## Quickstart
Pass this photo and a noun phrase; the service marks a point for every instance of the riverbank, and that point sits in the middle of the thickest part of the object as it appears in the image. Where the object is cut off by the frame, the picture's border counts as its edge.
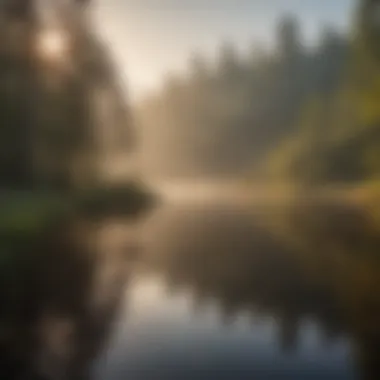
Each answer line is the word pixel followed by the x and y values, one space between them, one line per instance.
pixel 25 213
pixel 360 196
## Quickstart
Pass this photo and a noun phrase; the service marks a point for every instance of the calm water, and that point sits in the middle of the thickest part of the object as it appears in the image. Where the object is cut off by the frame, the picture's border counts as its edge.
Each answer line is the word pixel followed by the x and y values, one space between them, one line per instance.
pixel 201 291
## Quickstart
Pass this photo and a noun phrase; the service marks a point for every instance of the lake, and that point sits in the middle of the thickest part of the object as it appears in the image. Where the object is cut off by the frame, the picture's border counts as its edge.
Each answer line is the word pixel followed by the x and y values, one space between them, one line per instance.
pixel 199 291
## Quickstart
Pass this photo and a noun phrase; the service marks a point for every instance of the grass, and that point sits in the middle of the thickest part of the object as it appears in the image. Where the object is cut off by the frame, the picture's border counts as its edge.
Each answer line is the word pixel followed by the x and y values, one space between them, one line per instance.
pixel 27 212
pixel 24 214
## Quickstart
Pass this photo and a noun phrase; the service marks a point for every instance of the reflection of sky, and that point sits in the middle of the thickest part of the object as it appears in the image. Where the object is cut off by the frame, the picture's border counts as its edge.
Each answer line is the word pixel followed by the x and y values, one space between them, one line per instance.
pixel 150 37
pixel 161 336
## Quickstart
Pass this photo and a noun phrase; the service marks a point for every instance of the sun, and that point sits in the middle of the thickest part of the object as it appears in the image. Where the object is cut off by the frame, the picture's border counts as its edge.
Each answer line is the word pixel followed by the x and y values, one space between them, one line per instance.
pixel 52 45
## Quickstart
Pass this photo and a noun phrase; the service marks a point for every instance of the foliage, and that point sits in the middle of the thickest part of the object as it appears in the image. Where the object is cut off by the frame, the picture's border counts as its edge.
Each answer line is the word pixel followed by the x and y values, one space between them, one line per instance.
pixel 26 214
pixel 61 108
pixel 307 114
pixel 225 117
pixel 62 113
pixel 345 143
pixel 128 200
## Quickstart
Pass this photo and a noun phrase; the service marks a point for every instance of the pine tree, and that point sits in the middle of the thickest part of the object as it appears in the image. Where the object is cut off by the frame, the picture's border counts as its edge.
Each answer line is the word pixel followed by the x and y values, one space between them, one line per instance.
pixel 62 110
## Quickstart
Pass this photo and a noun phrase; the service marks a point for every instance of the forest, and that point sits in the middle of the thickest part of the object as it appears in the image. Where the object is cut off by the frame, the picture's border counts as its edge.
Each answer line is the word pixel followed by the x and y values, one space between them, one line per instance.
pixel 63 117
pixel 75 259
pixel 295 112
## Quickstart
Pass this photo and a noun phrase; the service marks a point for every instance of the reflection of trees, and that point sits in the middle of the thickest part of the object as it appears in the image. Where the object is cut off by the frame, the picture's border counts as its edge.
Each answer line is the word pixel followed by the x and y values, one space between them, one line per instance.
pixel 51 325
pixel 309 270
pixel 350 242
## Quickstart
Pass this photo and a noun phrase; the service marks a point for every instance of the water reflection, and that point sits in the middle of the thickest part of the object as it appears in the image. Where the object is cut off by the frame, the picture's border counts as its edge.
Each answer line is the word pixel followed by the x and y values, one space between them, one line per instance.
pixel 236 294
pixel 197 292
pixel 58 302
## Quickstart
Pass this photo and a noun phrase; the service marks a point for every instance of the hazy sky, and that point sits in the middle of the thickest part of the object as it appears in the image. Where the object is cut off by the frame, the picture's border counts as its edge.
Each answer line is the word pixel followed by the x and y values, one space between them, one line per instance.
pixel 151 37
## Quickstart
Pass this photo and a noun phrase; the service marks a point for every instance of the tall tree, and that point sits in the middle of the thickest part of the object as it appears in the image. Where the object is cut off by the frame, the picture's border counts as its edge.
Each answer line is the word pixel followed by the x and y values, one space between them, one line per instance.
pixel 62 111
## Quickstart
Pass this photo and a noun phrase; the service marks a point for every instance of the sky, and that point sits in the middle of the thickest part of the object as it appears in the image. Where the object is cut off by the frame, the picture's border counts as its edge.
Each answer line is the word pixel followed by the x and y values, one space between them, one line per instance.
pixel 151 38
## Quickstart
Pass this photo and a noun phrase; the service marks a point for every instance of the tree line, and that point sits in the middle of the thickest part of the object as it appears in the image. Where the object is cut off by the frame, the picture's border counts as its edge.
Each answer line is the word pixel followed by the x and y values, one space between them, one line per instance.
pixel 295 112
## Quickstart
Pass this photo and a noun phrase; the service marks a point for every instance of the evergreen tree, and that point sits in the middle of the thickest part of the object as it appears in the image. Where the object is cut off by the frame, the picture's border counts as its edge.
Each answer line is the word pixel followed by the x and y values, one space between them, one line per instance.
pixel 313 114
pixel 62 111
